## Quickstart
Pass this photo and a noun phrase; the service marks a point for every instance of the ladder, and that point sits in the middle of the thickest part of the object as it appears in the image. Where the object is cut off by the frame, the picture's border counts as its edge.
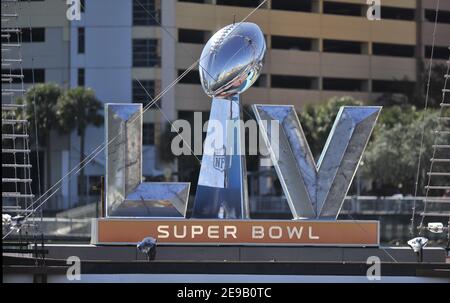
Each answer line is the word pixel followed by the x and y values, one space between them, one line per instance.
pixel 17 195
pixel 437 190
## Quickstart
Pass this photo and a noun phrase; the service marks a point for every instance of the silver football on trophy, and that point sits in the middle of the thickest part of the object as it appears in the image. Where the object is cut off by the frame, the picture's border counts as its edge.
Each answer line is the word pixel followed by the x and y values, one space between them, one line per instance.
pixel 231 60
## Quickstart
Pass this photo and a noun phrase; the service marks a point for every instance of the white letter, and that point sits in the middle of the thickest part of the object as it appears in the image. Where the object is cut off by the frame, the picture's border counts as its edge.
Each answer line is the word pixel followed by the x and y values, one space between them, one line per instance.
pixel 175 229
pixel 181 144
pixel 373 272
pixel 198 133
pixel 163 233
pixel 271 233
pixel 74 11
pixel 272 148
pixel 213 232
pixel 311 234
pixel 257 232
pixel 214 139
pixel 295 230
pixel 374 10
pixel 74 271
pixel 230 230
pixel 196 230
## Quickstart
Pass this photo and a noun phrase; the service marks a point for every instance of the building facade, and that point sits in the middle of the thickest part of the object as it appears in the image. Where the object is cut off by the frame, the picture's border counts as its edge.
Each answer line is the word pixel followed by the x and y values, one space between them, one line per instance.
pixel 124 49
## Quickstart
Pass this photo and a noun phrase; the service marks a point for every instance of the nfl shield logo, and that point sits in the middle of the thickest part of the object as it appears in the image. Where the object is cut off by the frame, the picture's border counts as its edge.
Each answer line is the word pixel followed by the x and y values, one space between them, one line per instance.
pixel 219 159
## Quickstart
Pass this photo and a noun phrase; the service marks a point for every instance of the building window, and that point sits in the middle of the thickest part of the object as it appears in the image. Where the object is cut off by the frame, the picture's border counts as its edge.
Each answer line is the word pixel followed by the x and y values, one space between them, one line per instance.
pixel 140 92
pixel 294 82
pixel 26 35
pixel 82 6
pixel 81 76
pixel 193 1
pixel 193 36
pixel 243 3
pixel 443 16
pixel 292 43
pixel 81 40
pixel 338 46
pixel 395 50
pixel 392 86
pixel 340 84
pixel 92 185
pixel 192 77
pixel 36 75
pixel 440 52
pixel 261 81
pixel 397 13
pixel 290 5
pixel 36 34
pixel 346 9
pixel 145 53
pixel 145 13
pixel 95 184
pixel 148 134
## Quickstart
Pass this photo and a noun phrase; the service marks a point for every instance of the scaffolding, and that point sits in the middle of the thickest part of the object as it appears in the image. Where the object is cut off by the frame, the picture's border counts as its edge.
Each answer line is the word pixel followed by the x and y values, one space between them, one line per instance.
pixel 437 190
pixel 17 196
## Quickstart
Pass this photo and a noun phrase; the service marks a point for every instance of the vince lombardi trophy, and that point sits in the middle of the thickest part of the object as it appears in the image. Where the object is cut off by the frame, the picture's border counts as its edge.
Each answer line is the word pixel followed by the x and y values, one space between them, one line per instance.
pixel 230 63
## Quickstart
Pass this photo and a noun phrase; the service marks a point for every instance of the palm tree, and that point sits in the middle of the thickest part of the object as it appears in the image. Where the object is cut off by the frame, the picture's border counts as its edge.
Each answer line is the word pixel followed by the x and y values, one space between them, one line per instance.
pixel 76 109
pixel 40 101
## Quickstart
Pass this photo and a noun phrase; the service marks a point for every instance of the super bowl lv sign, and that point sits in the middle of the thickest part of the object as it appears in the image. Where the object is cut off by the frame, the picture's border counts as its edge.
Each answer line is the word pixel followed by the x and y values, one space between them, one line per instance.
pixel 230 63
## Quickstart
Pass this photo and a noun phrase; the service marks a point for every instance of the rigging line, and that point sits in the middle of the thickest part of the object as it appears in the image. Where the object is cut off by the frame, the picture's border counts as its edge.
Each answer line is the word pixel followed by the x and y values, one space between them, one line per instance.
pixel 96 151
pixel 101 147
pixel 38 169
pixel 45 200
pixel 174 83
pixel 433 157
pixel 186 51
pixel 19 36
pixel 77 171
pixel 160 95
pixel 87 160
pixel 364 230
pixel 13 128
pixel 171 36
pixel 416 185
pixel 167 119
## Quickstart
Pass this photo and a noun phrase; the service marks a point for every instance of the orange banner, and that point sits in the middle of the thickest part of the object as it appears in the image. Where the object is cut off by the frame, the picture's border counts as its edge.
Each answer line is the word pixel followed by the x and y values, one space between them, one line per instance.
pixel 251 232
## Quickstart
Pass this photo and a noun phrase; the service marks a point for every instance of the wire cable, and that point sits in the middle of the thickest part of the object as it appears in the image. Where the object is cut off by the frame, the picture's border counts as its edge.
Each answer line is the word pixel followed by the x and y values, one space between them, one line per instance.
pixel 416 184
pixel 102 146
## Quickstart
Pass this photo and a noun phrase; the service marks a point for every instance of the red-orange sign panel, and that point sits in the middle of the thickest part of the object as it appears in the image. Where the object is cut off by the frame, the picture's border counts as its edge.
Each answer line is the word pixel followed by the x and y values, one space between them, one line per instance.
pixel 249 232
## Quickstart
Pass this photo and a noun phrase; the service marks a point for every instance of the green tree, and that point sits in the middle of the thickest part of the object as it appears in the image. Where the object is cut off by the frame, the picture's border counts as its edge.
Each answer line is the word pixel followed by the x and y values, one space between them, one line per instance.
pixel 391 157
pixel 40 111
pixel 76 109
pixel 317 121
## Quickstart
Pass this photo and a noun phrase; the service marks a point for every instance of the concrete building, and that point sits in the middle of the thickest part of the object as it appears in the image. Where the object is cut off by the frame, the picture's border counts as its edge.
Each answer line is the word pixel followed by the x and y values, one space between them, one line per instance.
pixel 317 49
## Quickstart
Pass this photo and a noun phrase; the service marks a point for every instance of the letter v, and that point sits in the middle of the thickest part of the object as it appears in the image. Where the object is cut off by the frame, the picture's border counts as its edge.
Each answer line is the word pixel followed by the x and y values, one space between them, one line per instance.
pixel 316 191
